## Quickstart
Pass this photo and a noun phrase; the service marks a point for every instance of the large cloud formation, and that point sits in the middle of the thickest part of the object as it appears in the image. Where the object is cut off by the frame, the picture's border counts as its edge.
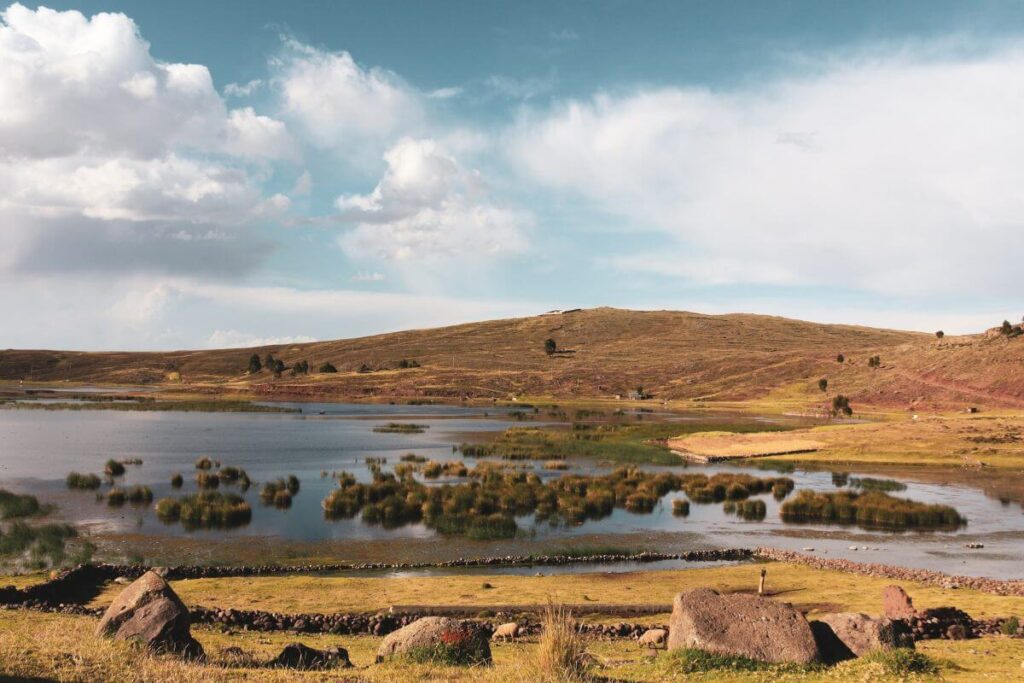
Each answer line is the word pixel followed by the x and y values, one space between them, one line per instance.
pixel 111 160
pixel 898 174
pixel 427 205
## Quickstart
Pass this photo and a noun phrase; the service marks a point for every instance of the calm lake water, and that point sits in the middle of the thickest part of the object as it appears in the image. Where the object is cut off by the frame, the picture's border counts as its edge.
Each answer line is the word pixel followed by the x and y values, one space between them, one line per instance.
pixel 38 448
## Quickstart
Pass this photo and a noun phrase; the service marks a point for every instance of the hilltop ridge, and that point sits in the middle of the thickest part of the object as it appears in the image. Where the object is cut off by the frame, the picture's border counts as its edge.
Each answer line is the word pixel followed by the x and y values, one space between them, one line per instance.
pixel 601 353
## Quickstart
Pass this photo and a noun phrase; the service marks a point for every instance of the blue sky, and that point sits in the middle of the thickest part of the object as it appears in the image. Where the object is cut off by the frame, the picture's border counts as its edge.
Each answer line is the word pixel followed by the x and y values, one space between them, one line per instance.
pixel 197 174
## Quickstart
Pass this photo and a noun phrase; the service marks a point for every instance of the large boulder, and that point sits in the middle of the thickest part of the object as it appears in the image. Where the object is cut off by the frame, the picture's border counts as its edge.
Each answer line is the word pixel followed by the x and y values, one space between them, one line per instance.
pixel 299 656
pixel 744 625
pixel 149 612
pixel 440 638
pixel 846 635
pixel 896 604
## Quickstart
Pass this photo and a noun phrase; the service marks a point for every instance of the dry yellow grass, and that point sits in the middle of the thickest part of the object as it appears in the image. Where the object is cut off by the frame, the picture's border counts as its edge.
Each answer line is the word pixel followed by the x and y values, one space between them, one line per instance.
pixel 959 440
pixel 727 445
pixel 63 648
pixel 803 586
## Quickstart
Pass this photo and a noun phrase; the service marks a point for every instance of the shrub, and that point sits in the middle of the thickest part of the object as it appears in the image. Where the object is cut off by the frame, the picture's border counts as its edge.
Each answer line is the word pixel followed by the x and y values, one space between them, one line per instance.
pixel 204 463
pixel 561 654
pixel 84 482
pixel 1006 327
pixel 327 368
pixel 113 468
pixel 177 481
pixel 1010 626
pixel 15 505
pixel 550 346
pixel 902 662
pixel 840 358
pixel 823 384
pixel 364 368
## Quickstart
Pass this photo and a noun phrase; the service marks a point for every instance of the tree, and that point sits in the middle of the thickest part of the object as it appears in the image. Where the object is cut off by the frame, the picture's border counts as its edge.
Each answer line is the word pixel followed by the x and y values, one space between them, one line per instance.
pixel 875 362
pixel 940 334
pixel 1007 328
pixel 268 362
pixel 841 404
pixel 300 368
pixel 823 384
pixel 278 367
pixel 254 364
pixel 327 367
pixel 840 358
pixel 364 368
pixel 550 346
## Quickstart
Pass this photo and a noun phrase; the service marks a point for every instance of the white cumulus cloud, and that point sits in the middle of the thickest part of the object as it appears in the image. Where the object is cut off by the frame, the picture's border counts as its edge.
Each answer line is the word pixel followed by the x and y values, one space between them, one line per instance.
pixel 897 174
pixel 428 205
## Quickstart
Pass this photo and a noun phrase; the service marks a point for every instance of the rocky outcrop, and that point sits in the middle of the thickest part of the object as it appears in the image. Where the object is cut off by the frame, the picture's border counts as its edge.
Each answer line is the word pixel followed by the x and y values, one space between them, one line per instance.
pixel 149 612
pixel 855 635
pixel 896 604
pixel 457 641
pixel 743 625
pixel 300 656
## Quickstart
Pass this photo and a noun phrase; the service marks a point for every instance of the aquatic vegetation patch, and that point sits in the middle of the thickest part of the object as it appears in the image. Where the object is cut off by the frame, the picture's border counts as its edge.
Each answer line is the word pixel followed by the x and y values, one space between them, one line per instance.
pixel 207 480
pixel 486 506
pixel 871 484
pixel 41 544
pixel 14 505
pixel 400 428
pixel 279 493
pixel 113 468
pixel 205 510
pixel 871 509
pixel 82 482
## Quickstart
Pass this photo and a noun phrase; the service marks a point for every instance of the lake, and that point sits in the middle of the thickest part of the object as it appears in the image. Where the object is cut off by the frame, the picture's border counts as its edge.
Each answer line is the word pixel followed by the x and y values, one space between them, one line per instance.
pixel 39 448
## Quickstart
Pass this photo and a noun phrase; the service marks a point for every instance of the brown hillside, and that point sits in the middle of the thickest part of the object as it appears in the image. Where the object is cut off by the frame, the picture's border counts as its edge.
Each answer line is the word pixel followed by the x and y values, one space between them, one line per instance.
pixel 602 352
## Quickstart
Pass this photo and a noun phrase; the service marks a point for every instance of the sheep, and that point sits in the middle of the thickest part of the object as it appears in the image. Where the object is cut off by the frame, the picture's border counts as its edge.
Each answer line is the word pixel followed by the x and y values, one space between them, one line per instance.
pixel 654 638
pixel 506 631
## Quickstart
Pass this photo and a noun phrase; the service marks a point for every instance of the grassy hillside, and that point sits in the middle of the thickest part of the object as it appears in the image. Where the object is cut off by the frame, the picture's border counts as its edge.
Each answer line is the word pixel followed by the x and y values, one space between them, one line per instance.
pixel 602 352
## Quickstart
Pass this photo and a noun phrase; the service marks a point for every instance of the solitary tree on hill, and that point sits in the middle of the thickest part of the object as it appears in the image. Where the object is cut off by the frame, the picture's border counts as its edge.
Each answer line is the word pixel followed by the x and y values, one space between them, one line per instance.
pixel 840 358
pixel 1007 328
pixel 254 364
pixel 841 404
pixel 550 346
pixel 823 384
pixel 940 334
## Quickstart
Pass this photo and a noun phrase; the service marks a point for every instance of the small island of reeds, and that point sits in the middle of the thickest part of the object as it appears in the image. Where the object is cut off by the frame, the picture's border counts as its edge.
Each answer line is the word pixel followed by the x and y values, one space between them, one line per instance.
pixel 870 510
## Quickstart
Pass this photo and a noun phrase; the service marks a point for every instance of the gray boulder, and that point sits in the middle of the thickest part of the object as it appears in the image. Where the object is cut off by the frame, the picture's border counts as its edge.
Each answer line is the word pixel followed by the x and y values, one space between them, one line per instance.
pixel 299 656
pixel 456 641
pixel 744 625
pixel 149 612
pixel 846 635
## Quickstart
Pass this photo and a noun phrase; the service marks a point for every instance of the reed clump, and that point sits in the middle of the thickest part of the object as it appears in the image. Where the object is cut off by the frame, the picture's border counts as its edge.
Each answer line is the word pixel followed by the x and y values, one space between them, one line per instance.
pixel 871 509
pixel 82 482
pixel 205 510
pixel 561 651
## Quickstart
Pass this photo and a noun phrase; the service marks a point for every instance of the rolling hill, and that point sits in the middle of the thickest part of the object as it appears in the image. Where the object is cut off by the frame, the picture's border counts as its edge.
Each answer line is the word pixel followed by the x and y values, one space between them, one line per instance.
pixel 602 352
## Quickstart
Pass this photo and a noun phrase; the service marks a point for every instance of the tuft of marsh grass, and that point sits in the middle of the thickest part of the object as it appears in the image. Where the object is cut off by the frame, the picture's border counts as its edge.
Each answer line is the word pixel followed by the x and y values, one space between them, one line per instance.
pixel 561 651
pixel 113 468
pixel 83 482
pixel 14 505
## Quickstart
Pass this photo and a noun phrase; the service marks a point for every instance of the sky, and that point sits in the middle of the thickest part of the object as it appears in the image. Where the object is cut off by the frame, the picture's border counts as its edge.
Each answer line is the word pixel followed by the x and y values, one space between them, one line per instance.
pixel 204 175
